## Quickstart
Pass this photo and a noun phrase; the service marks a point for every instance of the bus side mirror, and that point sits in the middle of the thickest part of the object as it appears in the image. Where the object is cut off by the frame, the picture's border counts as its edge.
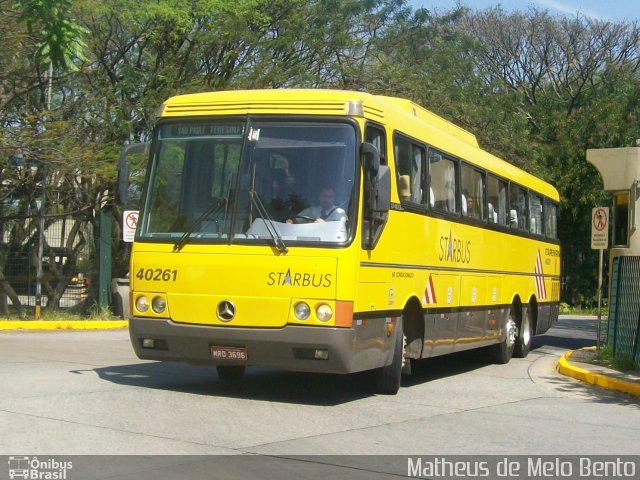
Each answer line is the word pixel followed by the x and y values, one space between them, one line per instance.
pixel 123 181
pixel 124 167
pixel 377 195
pixel 370 157
pixel 381 196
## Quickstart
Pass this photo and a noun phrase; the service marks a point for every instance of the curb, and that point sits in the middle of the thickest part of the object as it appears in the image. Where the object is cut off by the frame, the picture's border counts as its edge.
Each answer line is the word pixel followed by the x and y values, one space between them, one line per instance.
pixel 63 324
pixel 604 381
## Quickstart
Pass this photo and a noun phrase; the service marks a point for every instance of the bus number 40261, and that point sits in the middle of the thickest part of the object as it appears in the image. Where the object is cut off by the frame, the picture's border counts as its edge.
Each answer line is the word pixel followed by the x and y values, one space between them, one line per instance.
pixel 157 275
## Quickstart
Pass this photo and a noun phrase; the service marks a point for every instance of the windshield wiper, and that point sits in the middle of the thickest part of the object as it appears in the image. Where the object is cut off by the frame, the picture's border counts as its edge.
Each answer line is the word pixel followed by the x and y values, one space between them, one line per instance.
pixel 268 222
pixel 211 211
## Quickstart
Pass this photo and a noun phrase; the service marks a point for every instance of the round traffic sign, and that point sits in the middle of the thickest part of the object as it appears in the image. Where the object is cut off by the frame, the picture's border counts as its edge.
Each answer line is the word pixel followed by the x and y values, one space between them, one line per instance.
pixel 132 220
pixel 600 219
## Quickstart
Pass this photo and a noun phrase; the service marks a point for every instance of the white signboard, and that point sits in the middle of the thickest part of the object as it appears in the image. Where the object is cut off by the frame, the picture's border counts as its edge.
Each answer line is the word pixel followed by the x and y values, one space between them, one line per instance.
pixel 129 224
pixel 600 228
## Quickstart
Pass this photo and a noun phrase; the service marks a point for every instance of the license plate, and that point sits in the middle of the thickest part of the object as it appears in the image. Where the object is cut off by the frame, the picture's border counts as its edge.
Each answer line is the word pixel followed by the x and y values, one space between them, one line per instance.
pixel 229 354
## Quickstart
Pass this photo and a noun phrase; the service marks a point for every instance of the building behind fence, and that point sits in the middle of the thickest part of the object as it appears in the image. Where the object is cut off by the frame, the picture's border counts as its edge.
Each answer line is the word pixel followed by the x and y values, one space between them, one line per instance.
pixel 620 170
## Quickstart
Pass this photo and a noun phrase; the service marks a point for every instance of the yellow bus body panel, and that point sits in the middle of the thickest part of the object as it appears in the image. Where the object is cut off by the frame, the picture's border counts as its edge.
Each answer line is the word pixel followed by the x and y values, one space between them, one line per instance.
pixel 262 287
pixel 493 266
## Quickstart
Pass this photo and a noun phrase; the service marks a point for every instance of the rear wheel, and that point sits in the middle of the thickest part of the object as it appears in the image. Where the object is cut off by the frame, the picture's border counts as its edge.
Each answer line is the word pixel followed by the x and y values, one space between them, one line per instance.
pixel 387 379
pixel 230 373
pixel 503 351
pixel 523 342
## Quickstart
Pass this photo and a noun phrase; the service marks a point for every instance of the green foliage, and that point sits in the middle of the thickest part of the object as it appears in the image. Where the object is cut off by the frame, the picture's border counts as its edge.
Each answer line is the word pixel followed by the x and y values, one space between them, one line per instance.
pixel 565 308
pixel 604 356
pixel 97 312
pixel 536 90
pixel 59 37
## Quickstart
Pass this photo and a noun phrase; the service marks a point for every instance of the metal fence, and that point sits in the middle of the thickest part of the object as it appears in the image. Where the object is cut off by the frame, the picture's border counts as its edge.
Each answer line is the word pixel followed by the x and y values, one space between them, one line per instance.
pixel 68 263
pixel 624 315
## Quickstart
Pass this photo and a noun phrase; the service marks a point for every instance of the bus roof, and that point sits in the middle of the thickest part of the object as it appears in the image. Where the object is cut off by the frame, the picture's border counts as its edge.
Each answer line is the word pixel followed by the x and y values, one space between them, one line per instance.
pixel 413 119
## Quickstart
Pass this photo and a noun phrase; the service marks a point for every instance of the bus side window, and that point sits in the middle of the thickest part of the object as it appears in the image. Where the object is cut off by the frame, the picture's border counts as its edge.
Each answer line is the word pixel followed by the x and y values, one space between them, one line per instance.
pixel 375 136
pixel 535 214
pixel 518 208
pixel 472 182
pixel 551 219
pixel 443 181
pixel 496 200
pixel 410 165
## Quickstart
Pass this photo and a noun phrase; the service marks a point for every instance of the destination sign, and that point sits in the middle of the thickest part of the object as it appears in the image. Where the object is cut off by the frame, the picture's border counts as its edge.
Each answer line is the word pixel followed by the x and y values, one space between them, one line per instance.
pixel 202 130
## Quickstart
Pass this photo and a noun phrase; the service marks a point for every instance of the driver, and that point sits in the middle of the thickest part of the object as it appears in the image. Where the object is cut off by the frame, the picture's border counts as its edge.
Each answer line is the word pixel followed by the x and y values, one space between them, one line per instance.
pixel 326 211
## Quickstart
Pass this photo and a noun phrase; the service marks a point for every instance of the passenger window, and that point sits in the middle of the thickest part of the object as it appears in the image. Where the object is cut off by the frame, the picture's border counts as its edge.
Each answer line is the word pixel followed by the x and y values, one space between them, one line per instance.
pixel 517 208
pixel 496 200
pixel 551 219
pixel 472 200
pixel 410 165
pixel 444 177
pixel 535 214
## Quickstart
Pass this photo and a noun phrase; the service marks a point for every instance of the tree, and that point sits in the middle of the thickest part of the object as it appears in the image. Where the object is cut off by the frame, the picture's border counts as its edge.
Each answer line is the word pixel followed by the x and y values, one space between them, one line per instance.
pixel 43 36
pixel 536 90
pixel 575 82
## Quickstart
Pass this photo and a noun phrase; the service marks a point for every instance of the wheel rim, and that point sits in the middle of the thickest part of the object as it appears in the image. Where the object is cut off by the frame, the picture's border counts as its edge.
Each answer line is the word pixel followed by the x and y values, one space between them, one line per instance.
pixel 512 332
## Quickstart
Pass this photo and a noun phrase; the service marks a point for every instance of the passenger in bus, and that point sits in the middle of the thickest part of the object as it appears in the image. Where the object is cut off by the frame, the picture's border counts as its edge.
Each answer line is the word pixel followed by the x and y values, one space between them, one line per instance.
pixel 404 187
pixel 472 211
pixel 493 215
pixel 469 205
pixel 513 218
pixel 326 211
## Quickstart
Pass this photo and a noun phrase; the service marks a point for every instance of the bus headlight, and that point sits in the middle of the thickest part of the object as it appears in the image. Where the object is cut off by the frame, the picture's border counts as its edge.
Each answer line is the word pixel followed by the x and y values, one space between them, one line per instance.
pixel 301 311
pixel 159 305
pixel 324 312
pixel 142 303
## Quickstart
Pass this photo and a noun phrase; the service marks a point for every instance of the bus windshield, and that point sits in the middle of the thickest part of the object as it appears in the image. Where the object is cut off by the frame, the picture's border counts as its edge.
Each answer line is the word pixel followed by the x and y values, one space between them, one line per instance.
pixel 240 181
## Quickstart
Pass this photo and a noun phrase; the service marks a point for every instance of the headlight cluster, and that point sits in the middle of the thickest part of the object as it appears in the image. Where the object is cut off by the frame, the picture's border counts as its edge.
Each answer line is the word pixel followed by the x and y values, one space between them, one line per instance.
pixel 302 311
pixel 158 304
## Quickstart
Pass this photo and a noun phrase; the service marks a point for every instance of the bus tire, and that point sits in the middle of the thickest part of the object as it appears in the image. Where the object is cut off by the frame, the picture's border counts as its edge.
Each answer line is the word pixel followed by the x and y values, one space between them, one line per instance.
pixel 502 352
pixel 525 336
pixel 230 373
pixel 387 379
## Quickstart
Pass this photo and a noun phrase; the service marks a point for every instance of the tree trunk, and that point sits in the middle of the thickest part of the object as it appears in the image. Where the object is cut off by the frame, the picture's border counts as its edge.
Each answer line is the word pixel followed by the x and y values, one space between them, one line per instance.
pixel 7 290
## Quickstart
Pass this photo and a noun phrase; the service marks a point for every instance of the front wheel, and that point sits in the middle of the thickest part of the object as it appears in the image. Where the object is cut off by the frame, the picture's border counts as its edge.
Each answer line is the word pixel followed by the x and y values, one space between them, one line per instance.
pixel 503 351
pixel 523 342
pixel 387 379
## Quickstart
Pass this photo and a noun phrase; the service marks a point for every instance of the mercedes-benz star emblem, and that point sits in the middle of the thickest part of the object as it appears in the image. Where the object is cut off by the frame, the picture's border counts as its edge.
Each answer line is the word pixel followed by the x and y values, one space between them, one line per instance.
pixel 226 311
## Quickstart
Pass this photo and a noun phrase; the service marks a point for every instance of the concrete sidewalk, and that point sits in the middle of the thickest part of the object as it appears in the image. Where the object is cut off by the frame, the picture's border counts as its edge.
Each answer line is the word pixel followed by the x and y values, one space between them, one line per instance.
pixel 575 364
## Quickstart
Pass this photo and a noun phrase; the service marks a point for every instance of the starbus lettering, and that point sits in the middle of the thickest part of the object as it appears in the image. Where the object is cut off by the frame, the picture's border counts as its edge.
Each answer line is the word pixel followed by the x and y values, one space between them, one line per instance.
pixel 454 249
pixel 299 279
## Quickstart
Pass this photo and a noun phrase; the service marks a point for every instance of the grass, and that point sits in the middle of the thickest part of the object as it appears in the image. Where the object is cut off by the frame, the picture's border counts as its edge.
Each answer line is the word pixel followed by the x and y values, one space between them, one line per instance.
pixel 566 309
pixel 622 363
pixel 95 312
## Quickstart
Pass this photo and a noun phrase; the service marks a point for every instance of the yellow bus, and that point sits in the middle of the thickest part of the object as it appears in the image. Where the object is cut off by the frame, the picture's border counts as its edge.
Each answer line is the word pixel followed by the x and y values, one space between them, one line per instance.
pixel 334 231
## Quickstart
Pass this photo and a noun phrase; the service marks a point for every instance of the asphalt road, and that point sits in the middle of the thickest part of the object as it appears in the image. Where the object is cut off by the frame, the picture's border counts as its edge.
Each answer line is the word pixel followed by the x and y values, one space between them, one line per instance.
pixel 85 393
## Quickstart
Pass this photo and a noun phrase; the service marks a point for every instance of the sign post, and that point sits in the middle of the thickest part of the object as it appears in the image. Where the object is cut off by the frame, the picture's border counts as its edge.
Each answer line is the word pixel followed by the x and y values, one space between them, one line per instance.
pixel 600 242
pixel 129 224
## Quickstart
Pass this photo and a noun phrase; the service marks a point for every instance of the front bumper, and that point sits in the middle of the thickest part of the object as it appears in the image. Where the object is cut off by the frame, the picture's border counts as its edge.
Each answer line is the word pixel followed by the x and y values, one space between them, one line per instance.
pixel 290 347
